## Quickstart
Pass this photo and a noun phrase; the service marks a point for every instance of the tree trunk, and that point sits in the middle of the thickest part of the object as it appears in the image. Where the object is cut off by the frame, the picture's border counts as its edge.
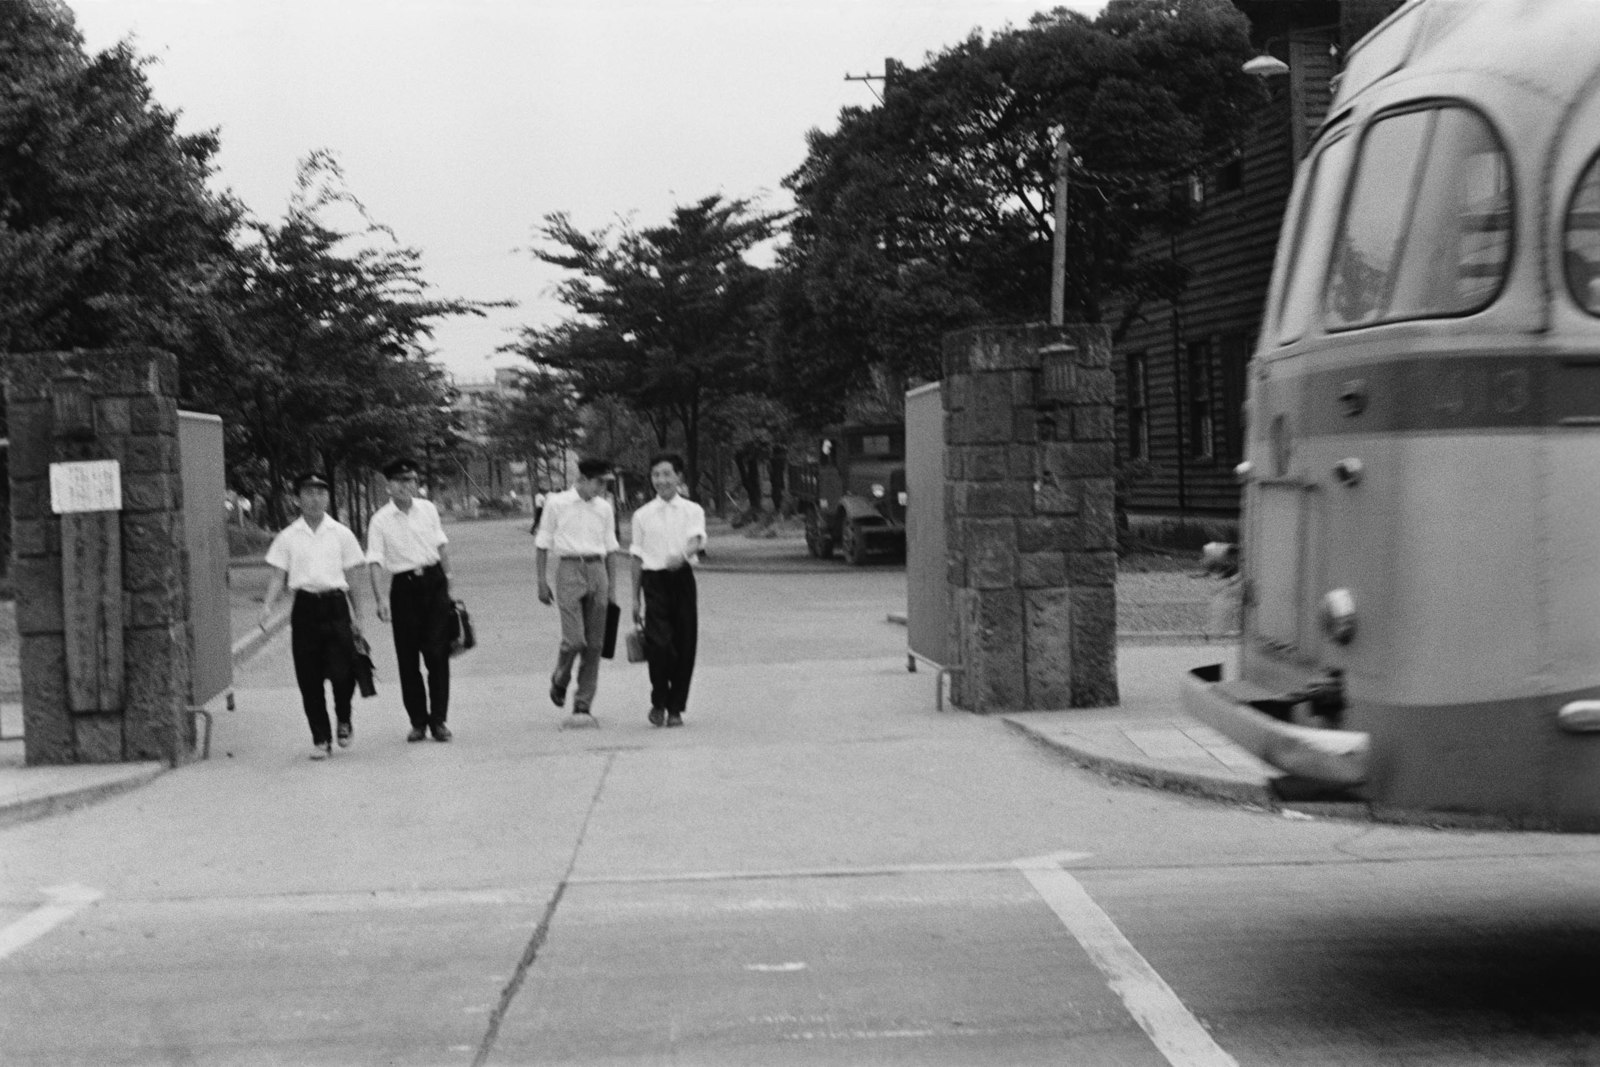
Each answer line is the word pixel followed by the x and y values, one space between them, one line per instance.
pixel 777 471
pixel 748 461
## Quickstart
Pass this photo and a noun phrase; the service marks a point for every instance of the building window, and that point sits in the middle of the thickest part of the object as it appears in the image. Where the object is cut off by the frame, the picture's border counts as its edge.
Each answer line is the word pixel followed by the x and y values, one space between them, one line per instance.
pixel 1234 355
pixel 1202 427
pixel 1138 406
pixel 1230 176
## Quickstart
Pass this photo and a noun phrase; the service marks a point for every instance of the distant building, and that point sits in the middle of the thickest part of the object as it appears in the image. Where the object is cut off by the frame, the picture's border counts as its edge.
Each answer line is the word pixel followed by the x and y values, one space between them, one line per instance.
pixel 481 476
pixel 1181 366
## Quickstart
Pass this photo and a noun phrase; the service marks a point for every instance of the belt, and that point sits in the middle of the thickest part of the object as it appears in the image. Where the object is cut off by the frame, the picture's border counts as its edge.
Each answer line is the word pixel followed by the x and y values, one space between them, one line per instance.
pixel 416 572
pixel 598 558
pixel 323 594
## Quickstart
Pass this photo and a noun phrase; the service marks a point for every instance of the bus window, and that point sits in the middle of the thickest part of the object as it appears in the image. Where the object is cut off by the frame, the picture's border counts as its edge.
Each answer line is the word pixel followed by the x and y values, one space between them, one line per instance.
pixel 1312 239
pixel 1427 232
pixel 1583 241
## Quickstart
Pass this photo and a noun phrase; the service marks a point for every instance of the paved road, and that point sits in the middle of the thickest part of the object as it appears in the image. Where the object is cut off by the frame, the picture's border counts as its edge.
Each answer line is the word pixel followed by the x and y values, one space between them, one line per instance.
pixel 818 869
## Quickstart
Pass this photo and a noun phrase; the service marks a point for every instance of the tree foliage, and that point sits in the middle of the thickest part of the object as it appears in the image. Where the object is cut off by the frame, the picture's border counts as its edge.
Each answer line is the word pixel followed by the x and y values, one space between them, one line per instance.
pixel 667 318
pixel 109 235
pixel 326 367
pixel 936 210
pixel 312 352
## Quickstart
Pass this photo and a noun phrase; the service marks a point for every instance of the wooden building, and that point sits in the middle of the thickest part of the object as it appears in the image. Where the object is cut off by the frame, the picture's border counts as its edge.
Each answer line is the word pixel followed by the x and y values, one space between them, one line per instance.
pixel 1181 366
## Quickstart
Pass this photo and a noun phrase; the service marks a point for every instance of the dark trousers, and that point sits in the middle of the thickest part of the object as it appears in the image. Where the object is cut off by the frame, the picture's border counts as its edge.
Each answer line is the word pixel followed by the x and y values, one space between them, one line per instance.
pixel 324 651
pixel 671 631
pixel 420 612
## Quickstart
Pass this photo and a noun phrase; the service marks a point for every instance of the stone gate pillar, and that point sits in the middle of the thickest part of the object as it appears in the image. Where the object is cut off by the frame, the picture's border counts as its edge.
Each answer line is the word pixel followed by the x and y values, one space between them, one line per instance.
pixel 99 575
pixel 1029 506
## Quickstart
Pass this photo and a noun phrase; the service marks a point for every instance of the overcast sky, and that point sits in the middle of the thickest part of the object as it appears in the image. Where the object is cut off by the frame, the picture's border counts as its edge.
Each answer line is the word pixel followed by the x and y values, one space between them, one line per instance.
pixel 461 123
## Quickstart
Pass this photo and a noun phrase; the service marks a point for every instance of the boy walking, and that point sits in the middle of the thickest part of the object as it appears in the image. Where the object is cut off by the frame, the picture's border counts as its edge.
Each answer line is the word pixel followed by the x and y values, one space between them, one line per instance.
pixel 580 528
pixel 668 532
pixel 313 557
pixel 405 540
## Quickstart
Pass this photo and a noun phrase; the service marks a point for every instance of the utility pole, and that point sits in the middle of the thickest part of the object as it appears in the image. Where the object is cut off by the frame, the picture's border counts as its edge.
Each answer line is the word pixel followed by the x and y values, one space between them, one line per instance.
pixel 1058 261
pixel 891 74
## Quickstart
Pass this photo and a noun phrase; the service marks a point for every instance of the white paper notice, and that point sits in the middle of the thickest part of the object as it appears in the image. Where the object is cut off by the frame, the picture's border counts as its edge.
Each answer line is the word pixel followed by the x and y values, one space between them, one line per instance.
pixel 93 485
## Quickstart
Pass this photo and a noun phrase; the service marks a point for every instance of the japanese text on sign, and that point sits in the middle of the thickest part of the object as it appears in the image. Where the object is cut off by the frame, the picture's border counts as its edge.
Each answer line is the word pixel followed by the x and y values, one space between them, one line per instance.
pixel 93 485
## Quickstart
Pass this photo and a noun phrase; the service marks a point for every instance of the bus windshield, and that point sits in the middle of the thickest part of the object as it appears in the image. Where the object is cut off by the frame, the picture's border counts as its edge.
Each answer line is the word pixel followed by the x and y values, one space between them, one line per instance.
pixel 1583 241
pixel 1427 229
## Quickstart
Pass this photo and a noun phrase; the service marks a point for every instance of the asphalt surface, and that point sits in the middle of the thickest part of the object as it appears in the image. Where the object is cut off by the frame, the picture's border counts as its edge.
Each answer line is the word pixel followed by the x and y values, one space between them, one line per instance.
pixel 819 868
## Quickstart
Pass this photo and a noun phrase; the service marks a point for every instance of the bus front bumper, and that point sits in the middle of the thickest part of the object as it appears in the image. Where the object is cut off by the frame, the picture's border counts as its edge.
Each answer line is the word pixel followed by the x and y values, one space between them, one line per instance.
pixel 1331 757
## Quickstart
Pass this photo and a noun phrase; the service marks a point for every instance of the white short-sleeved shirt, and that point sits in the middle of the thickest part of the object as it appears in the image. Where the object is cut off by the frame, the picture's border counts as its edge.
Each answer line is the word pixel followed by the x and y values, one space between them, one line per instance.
pixel 573 526
pixel 662 529
pixel 405 540
pixel 316 559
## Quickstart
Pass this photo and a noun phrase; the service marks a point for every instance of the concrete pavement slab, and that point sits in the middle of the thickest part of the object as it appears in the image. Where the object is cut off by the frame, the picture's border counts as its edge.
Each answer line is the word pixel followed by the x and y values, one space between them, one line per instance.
pixel 1146 739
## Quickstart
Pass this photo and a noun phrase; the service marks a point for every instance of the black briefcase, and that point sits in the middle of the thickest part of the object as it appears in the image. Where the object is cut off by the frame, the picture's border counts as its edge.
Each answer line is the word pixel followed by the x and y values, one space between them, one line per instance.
pixel 608 647
pixel 463 635
pixel 364 669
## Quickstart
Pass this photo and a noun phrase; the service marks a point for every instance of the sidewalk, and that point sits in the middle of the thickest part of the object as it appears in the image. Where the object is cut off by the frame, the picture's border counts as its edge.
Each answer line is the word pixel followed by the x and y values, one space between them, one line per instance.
pixel 36 792
pixel 1147 739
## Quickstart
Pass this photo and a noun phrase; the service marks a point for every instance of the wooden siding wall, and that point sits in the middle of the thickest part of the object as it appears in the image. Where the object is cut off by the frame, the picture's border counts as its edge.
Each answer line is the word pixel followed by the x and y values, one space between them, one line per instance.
pixel 1229 252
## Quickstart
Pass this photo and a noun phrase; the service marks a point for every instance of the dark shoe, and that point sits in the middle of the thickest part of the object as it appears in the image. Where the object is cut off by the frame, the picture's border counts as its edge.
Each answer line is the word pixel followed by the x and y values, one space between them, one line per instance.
pixel 345 730
pixel 657 716
pixel 417 734
pixel 558 694
pixel 441 732
pixel 674 719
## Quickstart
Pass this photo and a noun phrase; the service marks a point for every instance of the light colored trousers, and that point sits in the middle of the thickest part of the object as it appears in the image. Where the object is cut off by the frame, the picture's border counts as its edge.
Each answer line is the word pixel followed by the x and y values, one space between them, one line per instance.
pixel 583 589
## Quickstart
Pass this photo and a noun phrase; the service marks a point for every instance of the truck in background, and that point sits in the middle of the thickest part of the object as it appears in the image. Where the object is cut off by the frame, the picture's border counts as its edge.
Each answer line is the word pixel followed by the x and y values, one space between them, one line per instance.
pixel 851 490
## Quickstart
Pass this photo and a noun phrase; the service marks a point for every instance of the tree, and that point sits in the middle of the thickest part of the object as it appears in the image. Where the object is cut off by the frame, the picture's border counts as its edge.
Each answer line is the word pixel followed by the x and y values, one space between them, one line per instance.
pixel 108 233
pixel 935 210
pixel 667 318
pixel 536 422
pixel 329 368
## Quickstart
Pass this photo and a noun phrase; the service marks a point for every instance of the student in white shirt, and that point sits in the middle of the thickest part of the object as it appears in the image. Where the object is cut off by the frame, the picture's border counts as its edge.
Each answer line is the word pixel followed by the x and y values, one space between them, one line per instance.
pixel 668 532
pixel 313 557
pixel 406 542
pixel 580 528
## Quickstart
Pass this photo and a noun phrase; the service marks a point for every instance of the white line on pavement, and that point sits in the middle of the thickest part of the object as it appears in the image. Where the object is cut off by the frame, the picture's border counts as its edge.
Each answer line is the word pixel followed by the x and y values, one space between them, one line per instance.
pixel 1176 1033
pixel 65 902
pixel 799 872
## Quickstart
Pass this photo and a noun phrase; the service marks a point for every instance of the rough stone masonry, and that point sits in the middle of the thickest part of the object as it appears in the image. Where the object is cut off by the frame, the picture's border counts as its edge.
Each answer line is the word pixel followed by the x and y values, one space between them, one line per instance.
pixel 101 596
pixel 1030 513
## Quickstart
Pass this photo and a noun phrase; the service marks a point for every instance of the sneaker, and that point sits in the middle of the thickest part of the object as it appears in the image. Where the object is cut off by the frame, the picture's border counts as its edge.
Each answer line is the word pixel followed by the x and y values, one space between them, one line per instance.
pixel 674 719
pixel 657 716
pixel 345 730
pixel 322 751
pixel 417 734
pixel 441 732
pixel 580 719
pixel 558 694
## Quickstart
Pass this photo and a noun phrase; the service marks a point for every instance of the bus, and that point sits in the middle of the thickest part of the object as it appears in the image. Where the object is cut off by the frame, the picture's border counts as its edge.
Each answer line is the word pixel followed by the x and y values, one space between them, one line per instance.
pixel 1420 535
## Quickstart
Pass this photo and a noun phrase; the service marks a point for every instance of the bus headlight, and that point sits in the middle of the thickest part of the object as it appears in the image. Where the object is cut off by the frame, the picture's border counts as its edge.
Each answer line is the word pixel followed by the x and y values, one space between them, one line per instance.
pixel 1339 615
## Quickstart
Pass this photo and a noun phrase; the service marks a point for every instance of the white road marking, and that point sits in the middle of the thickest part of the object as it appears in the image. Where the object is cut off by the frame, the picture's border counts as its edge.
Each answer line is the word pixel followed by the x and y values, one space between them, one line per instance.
pixel 1176 1033
pixel 777 968
pixel 65 902
pixel 785 874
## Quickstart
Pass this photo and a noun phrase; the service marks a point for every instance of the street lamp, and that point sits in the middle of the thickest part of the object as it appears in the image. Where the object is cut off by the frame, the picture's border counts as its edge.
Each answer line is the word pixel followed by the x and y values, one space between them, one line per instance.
pixel 1265 66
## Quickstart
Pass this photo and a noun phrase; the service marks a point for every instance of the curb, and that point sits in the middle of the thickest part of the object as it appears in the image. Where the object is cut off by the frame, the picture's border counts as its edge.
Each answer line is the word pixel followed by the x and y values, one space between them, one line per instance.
pixel 1256 794
pixel 56 803
pixel 251 643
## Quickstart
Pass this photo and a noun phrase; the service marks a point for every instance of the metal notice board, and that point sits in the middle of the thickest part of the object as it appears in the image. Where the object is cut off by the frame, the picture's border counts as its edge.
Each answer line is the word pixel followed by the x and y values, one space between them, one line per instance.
pixel 206 537
pixel 927 588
